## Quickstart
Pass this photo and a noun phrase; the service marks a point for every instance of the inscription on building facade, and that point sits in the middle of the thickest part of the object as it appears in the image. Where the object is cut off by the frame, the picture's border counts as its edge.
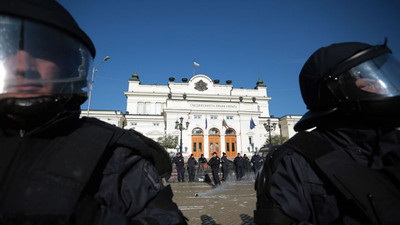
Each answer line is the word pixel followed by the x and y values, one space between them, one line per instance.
pixel 225 106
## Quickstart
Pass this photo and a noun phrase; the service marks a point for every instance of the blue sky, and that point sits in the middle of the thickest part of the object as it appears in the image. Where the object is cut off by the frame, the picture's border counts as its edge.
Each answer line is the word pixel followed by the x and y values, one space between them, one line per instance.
pixel 238 40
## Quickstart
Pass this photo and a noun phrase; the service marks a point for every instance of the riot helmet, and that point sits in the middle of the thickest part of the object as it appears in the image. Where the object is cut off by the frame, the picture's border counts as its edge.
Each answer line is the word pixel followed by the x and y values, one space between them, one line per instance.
pixel 350 79
pixel 44 58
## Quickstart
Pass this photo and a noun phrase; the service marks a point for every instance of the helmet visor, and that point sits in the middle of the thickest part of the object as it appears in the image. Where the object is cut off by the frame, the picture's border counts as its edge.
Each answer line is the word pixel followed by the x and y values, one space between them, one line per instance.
pixel 37 60
pixel 373 79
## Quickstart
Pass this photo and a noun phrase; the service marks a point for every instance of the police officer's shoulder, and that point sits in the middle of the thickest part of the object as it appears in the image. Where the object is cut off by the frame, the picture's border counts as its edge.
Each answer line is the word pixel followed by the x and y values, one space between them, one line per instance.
pixel 120 136
pixel 138 143
pixel 276 154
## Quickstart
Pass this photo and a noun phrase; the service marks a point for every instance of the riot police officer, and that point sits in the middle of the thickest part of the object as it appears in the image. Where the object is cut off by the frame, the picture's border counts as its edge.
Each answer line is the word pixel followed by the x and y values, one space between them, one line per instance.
pixel 224 167
pixel 55 167
pixel 180 166
pixel 214 163
pixel 191 167
pixel 256 161
pixel 344 171
pixel 239 166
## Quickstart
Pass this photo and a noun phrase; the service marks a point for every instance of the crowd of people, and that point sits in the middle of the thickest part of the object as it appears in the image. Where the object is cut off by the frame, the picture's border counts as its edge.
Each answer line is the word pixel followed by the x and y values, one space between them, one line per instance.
pixel 221 169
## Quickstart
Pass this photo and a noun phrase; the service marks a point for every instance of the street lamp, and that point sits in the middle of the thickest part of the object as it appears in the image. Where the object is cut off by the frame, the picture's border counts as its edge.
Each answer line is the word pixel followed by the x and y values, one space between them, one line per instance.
pixel 269 127
pixel 179 126
pixel 91 82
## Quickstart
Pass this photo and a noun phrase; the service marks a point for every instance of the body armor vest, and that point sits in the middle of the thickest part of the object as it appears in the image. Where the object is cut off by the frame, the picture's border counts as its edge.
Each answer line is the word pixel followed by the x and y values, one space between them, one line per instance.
pixel 42 177
pixel 372 193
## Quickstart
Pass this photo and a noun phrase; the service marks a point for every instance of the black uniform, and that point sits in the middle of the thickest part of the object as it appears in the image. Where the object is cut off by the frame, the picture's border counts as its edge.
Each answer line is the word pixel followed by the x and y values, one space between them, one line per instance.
pixel 225 167
pixel 54 167
pixel 191 165
pixel 239 165
pixel 304 194
pixel 247 166
pixel 73 165
pixel 214 163
pixel 202 162
pixel 180 167
pixel 346 170
pixel 256 161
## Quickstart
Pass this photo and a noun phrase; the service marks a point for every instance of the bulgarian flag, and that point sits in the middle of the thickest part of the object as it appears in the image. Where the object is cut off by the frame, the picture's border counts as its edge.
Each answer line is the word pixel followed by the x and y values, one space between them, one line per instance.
pixel 196 64
pixel 224 124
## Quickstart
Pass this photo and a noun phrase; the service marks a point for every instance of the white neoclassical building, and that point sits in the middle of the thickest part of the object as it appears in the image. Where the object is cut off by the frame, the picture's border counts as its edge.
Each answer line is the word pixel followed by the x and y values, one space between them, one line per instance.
pixel 215 117
pixel 207 105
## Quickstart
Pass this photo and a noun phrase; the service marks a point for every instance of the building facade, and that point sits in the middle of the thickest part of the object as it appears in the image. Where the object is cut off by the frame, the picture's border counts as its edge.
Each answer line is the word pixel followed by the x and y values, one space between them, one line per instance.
pixel 215 117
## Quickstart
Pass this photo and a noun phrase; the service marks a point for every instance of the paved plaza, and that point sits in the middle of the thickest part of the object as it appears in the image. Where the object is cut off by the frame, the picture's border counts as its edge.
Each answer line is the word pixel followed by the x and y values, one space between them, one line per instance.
pixel 232 203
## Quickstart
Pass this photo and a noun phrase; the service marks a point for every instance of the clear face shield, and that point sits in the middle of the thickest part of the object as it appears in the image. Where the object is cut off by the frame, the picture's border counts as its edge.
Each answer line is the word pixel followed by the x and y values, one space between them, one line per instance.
pixel 374 79
pixel 38 60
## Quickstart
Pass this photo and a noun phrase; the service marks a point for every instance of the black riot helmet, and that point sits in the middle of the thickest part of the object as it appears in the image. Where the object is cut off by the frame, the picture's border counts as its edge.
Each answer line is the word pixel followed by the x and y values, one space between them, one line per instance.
pixel 44 58
pixel 351 79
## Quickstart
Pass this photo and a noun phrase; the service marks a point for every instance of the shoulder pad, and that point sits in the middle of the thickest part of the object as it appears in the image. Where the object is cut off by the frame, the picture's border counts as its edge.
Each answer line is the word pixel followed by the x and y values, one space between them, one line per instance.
pixel 159 155
pixel 140 144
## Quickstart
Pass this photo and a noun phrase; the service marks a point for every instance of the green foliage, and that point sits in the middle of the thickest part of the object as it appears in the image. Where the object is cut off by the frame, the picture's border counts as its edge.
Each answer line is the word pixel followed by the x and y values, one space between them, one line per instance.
pixel 168 141
pixel 277 139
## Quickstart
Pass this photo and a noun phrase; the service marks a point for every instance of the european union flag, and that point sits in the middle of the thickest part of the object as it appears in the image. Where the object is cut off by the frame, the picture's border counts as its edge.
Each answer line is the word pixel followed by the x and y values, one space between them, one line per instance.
pixel 252 124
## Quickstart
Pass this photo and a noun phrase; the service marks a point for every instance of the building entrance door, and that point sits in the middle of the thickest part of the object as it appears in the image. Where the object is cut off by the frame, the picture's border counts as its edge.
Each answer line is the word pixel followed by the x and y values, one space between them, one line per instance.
pixel 214 140
pixel 197 142
pixel 230 140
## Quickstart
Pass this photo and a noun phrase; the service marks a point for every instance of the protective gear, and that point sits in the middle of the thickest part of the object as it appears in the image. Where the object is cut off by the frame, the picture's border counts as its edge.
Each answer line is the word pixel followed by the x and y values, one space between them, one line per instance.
pixel 65 172
pixel 44 58
pixel 334 186
pixel 350 79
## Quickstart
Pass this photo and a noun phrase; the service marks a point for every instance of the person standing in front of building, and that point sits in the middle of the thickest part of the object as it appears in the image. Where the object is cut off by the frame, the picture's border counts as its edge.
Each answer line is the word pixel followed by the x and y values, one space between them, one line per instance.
pixel 346 169
pixel 180 166
pixel 58 168
pixel 239 166
pixel 247 166
pixel 214 163
pixel 224 167
pixel 256 161
pixel 202 165
pixel 191 167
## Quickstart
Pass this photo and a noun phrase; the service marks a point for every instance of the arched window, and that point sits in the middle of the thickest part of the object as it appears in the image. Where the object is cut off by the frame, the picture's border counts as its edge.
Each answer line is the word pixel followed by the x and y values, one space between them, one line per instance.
pixel 197 131
pixel 230 131
pixel 214 131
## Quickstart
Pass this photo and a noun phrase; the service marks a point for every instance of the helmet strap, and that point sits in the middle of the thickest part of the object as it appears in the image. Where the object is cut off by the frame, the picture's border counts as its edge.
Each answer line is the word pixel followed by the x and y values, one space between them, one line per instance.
pixel 28 113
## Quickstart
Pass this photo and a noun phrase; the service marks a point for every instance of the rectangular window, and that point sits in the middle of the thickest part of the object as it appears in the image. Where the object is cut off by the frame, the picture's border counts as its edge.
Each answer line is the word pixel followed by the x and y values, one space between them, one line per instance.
pixel 200 147
pixel 148 107
pixel 156 124
pixel 233 147
pixel 194 146
pixel 140 108
pixel 133 123
pixel 227 147
pixel 158 108
pixel 217 147
pixel 213 117
pixel 197 116
pixel 229 117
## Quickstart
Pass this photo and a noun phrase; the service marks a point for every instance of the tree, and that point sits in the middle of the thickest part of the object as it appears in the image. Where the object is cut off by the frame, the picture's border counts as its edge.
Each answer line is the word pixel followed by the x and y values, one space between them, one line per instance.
pixel 277 139
pixel 168 141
